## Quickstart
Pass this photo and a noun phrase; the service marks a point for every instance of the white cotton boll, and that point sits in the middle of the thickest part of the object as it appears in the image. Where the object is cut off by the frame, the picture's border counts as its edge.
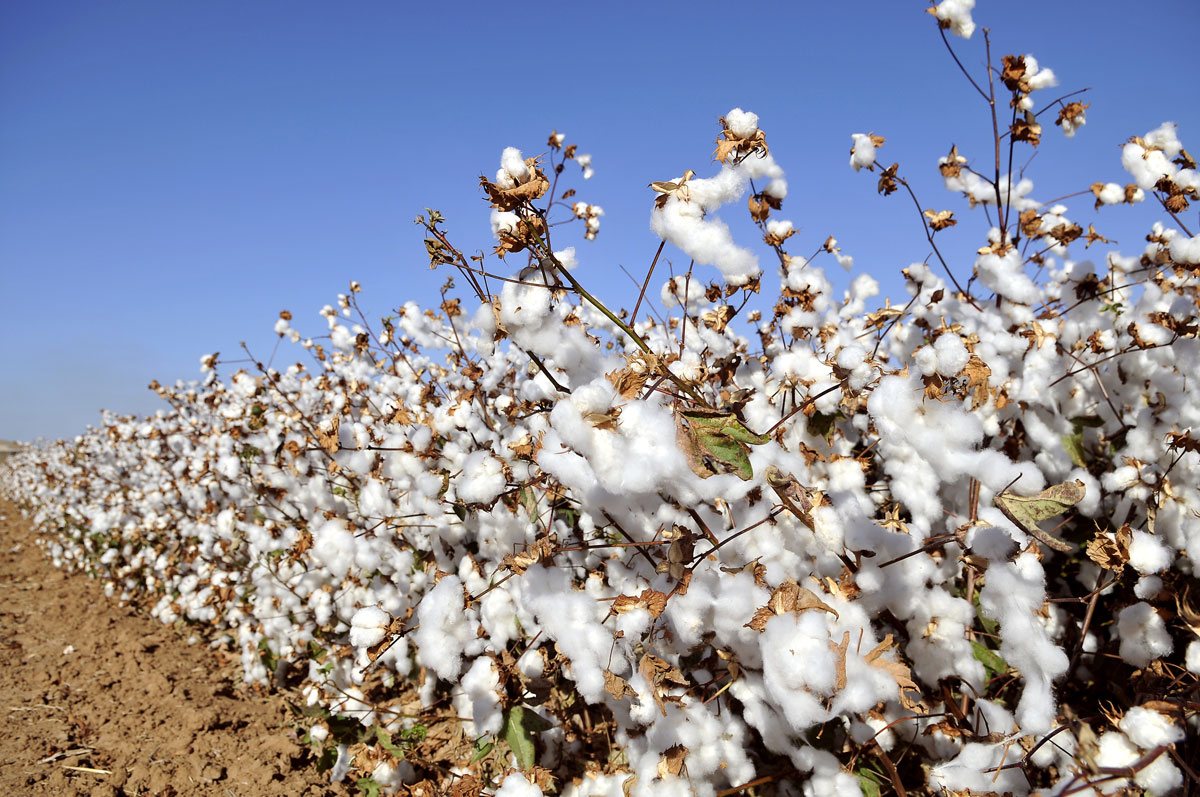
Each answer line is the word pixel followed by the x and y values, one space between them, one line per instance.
pixel 680 290
pixel 1006 276
pixel 1036 76
pixel 845 261
pixel 1160 776
pixel 742 123
pixel 480 684
pixel 776 188
pixel 341 766
pixel 925 358
pixel 969 770
pixel 1185 250
pixel 318 733
pixel 481 479
pixel 1090 504
pixel 1191 658
pixel 952 354
pixel 1148 587
pixel 1166 138
pixel 503 221
pixel 512 162
pixel 515 785
pixel 567 258
pixel 850 357
pixel 369 626
pixel 532 663
pixel 1111 193
pixel 1149 554
pixel 779 228
pixel 1143 634
pixel 958 14
pixel 1148 728
pixel 445 629
pixel 798 665
pixel 863 152
pixel 1113 749
pixel 333 547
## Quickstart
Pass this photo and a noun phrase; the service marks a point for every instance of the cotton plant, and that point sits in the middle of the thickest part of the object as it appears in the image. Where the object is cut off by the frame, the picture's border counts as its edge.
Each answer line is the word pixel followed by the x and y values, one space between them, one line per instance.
pixel 761 533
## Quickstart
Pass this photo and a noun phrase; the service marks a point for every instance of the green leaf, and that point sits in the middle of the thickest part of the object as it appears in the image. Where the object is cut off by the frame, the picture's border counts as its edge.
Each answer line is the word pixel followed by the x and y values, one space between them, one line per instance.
pixel 718 438
pixel 520 725
pixel 385 741
pixel 482 747
pixel 369 786
pixel 990 659
pixel 327 758
pixel 1027 511
pixel 869 781
pixel 1073 443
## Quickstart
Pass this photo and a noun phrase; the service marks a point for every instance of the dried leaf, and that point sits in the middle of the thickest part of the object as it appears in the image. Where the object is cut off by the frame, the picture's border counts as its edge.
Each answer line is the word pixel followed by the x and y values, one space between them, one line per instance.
pixel 940 219
pixel 887 181
pixel 1111 554
pixel 671 761
pixel 661 676
pixel 840 651
pixel 798 499
pixel 328 438
pixel 676 188
pixel 788 598
pixel 617 686
pixel 716 442
pixel 1027 511
pixel 900 673
pixel 953 164
pixel 542 550
pixel 512 198
pixel 651 600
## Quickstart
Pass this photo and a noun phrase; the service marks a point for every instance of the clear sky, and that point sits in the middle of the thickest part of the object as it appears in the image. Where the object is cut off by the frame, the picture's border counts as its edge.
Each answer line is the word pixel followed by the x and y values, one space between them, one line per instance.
pixel 172 175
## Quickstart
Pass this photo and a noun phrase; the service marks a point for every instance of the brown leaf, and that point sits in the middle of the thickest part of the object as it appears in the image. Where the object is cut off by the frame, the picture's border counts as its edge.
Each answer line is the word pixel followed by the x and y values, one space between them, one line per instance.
pixel 940 220
pixel 671 761
pixel 900 673
pixel 651 600
pixel 677 188
pixel 1070 112
pixel 1111 554
pixel 755 568
pixel 953 165
pixel 661 676
pixel 977 373
pixel 512 198
pixel 329 439
pixel 798 499
pixel 840 650
pixel 887 181
pixel 788 598
pixel 1027 129
pixel 1013 74
pixel 739 147
pixel 542 550
pixel 617 686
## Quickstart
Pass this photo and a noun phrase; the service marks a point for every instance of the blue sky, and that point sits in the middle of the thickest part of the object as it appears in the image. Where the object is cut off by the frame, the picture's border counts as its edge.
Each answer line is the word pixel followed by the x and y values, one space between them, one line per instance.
pixel 172 175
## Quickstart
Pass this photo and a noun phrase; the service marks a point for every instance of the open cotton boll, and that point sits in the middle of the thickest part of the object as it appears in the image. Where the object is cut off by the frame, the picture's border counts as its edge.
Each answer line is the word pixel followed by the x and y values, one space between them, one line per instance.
pixel 333 547
pixel 1160 776
pixel 1037 76
pixel 952 354
pixel 481 479
pixel 1143 634
pixel 516 785
pixel 1012 595
pixel 1185 250
pixel 798 666
pixel 1148 728
pixel 742 123
pixel 863 152
pixel 1149 554
pixel 512 162
pixel 1006 276
pixel 969 770
pixel 958 14
pixel 369 626
pixel 480 684
pixel 445 629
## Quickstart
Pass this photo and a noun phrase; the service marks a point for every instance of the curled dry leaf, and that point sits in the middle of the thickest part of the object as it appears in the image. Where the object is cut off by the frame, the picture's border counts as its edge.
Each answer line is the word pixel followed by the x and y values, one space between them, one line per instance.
pixel 1111 554
pixel 788 598
pixel 541 550
pixel 940 219
pixel 671 763
pixel 676 188
pixel 661 676
pixel 512 198
pixel 617 686
pixel 327 434
pixel 739 147
pixel 796 498
pixel 953 164
pixel 651 600
pixel 1027 511
pixel 900 673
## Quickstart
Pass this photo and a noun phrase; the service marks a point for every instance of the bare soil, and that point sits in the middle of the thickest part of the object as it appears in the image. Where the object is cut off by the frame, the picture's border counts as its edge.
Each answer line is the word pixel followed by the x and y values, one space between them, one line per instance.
pixel 101 700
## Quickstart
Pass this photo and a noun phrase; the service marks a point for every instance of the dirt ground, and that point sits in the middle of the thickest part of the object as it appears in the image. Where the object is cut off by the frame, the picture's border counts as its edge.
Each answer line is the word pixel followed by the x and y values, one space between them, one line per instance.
pixel 100 700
